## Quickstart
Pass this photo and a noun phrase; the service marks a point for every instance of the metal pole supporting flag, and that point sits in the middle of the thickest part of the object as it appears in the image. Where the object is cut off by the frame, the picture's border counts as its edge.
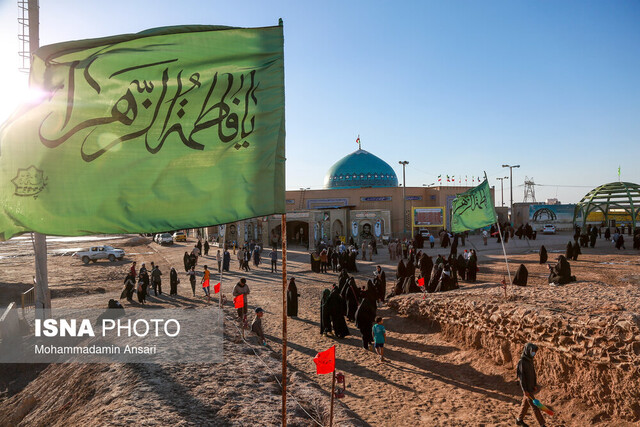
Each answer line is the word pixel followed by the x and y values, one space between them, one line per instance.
pixel 333 393
pixel 220 291
pixel 283 226
pixel 504 250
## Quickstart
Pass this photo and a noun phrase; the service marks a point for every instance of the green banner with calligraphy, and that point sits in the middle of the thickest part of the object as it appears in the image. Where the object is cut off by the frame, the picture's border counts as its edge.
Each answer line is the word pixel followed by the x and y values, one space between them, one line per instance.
pixel 473 209
pixel 171 128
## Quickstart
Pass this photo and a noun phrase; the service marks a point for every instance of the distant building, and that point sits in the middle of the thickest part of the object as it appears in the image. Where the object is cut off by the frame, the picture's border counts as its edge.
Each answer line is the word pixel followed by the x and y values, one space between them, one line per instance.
pixel 361 199
pixel 553 202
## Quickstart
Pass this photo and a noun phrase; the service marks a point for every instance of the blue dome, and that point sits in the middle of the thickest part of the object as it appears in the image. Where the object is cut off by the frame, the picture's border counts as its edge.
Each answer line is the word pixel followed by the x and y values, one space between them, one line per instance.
pixel 360 169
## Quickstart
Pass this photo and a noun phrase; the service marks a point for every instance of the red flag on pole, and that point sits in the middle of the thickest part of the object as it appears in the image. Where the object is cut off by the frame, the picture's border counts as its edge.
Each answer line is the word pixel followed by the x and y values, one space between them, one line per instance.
pixel 238 302
pixel 421 282
pixel 325 361
pixel 216 288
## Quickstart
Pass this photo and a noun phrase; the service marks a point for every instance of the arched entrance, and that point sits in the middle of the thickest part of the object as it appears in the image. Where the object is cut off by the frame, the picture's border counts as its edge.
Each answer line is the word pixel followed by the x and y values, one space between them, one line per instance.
pixel 275 236
pixel 337 230
pixel 298 233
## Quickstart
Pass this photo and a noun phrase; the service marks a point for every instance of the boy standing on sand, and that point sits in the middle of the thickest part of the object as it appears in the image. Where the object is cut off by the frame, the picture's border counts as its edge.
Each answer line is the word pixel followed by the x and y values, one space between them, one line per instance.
pixel 256 325
pixel 379 335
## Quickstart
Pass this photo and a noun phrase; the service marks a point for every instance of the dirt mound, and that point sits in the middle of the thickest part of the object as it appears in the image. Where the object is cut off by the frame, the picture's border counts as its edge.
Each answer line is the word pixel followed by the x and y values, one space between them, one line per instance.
pixel 135 241
pixel 600 350
pixel 239 391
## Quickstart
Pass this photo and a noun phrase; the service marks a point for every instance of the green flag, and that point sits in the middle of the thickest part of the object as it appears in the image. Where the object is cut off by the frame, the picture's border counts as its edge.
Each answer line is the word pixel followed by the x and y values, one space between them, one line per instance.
pixel 473 209
pixel 166 129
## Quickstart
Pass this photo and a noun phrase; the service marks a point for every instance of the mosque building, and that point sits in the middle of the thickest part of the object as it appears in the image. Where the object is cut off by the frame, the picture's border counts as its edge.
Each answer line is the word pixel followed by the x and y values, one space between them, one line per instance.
pixel 361 199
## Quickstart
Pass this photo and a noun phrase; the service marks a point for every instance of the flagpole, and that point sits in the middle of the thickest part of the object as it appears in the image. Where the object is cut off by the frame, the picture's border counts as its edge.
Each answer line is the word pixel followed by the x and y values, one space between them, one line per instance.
pixel 284 319
pixel 221 270
pixel 333 392
pixel 504 251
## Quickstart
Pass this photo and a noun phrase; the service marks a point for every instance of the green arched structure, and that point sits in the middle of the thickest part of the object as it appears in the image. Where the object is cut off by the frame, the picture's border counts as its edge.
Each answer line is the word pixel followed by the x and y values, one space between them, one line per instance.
pixel 616 195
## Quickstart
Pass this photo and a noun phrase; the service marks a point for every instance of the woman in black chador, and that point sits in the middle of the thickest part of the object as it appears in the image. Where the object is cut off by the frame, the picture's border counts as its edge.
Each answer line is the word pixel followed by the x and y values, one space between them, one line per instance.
pixel 462 267
pixel 561 272
pixel 435 277
pixel 173 282
pixel 335 305
pixel 410 269
pixel 568 253
pixel 342 279
pixel 543 255
pixel 446 281
pixel 576 251
pixel 426 265
pixel 380 283
pixel 520 279
pixel 292 298
pixel 365 316
pixel 129 285
pixel 187 262
pixel 351 296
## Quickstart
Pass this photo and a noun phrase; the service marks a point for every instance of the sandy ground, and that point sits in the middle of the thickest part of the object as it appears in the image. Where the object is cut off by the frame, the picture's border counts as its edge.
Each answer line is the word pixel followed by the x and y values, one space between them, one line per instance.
pixel 427 380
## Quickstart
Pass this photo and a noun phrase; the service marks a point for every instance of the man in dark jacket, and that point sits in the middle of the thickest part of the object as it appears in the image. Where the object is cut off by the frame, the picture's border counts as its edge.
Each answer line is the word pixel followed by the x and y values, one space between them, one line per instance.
pixel 156 280
pixel 528 382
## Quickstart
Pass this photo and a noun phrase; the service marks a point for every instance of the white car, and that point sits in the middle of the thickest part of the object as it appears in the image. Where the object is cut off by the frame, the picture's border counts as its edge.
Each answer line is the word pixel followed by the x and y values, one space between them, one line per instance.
pixel 549 229
pixel 95 253
pixel 165 239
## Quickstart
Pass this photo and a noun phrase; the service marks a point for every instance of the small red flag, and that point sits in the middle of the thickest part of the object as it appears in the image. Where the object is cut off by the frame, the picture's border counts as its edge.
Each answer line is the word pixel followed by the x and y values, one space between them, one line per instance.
pixel 205 284
pixel 325 361
pixel 238 302
pixel 421 282
pixel 216 288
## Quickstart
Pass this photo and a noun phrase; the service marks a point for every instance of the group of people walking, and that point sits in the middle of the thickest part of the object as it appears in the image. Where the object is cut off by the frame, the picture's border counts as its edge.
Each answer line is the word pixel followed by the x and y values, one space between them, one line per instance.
pixel 137 282
pixel 337 257
pixel 356 304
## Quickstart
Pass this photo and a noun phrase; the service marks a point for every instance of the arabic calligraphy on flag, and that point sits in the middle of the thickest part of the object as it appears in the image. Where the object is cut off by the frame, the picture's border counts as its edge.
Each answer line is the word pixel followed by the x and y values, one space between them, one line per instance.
pixel 171 128
pixel 473 209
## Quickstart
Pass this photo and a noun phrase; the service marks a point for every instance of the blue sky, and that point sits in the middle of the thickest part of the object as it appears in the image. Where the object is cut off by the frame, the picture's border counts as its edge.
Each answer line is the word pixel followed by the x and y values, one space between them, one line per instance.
pixel 454 87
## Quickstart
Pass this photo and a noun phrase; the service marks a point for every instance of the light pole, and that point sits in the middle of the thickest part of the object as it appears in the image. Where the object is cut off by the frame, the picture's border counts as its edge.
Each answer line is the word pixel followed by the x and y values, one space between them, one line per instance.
pixel 502 189
pixel 302 190
pixel 404 163
pixel 511 181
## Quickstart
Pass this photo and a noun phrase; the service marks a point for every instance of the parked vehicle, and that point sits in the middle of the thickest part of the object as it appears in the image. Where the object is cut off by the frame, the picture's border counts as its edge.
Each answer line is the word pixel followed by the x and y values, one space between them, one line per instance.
pixel 180 236
pixel 549 229
pixel 165 239
pixel 95 253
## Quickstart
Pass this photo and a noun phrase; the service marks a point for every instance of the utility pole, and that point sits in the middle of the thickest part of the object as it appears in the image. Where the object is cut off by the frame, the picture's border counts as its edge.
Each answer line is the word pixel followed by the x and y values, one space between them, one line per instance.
pixel 502 189
pixel 511 181
pixel 404 163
